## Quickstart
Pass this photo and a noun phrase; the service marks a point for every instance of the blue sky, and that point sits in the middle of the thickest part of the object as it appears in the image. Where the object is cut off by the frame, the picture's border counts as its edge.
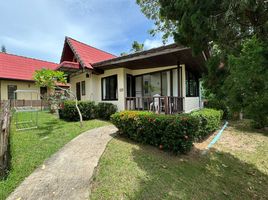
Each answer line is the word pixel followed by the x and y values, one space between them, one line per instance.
pixel 36 28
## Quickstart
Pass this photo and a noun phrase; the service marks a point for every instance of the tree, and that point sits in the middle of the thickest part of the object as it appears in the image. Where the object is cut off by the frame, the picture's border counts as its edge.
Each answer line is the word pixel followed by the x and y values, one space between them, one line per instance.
pixel 49 78
pixel 3 49
pixel 196 23
pixel 223 27
pixel 247 84
pixel 123 54
pixel 136 46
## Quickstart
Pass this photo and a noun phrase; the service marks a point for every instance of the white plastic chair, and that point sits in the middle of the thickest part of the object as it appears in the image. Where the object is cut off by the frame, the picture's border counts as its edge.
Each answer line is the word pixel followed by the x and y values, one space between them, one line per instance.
pixel 155 103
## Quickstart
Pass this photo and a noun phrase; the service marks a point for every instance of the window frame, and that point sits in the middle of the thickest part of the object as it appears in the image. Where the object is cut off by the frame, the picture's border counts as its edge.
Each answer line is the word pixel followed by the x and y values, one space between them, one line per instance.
pixel 191 84
pixel 14 94
pixel 116 89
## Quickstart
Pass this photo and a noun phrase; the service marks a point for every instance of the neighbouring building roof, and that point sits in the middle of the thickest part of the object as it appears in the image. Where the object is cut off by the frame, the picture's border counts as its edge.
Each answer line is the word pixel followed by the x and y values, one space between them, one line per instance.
pixel 82 53
pixel 20 67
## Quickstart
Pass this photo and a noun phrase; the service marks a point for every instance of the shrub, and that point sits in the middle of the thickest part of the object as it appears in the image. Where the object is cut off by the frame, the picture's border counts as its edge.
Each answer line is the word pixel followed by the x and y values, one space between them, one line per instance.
pixel 89 110
pixel 105 110
pixel 69 111
pixel 174 133
pixel 171 132
pixel 219 105
pixel 209 121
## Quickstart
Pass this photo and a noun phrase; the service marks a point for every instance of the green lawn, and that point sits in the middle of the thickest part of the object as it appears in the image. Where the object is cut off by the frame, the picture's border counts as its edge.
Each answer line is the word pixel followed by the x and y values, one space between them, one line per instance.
pixel 129 170
pixel 31 147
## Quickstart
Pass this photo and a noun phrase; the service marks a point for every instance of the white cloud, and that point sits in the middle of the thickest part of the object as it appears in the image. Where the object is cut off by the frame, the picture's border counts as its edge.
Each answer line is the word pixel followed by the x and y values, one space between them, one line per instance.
pixel 152 43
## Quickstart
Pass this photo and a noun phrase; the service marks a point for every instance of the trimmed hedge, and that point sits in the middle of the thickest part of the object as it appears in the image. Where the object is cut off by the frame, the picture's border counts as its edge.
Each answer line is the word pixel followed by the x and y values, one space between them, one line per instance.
pixel 209 121
pixel 219 105
pixel 175 133
pixel 89 110
pixel 171 132
pixel 105 110
pixel 69 112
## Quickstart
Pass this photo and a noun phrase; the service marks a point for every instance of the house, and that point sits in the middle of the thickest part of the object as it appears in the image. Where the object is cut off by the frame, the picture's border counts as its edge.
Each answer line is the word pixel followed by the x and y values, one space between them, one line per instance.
pixel 165 79
pixel 16 73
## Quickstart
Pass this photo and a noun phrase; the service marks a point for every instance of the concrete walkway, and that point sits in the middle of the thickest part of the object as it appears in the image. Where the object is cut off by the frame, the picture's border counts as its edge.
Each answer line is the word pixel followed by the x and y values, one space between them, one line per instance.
pixel 67 174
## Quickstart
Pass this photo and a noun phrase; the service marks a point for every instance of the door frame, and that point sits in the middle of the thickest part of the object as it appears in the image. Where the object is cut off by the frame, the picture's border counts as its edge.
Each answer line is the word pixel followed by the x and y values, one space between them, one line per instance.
pixel 78 91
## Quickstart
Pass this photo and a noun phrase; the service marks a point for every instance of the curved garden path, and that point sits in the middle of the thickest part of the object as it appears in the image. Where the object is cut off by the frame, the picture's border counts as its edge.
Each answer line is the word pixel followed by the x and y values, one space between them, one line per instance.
pixel 67 174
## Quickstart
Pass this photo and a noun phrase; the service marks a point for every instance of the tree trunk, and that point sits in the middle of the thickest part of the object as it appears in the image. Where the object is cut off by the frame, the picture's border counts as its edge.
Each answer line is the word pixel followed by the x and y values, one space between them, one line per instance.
pixel 241 115
pixel 79 112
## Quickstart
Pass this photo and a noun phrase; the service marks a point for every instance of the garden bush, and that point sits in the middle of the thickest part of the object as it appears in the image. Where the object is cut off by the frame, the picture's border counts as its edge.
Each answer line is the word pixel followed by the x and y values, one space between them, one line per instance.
pixel 89 110
pixel 105 110
pixel 209 121
pixel 69 112
pixel 219 105
pixel 175 133
pixel 171 132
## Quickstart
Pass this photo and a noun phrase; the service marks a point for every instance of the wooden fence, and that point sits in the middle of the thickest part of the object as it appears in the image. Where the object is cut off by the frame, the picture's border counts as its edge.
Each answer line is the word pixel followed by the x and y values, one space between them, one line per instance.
pixel 42 104
pixel 5 118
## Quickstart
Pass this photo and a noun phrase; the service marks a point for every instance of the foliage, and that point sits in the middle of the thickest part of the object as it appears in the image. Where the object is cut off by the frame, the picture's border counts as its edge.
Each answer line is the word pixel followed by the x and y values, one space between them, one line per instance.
pixel 170 132
pixel 69 112
pixel 209 121
pixel 174 133
pixel 197 23
pixel 89 110
pixel 123 54
pixel 49 78
pixel 105 110
pixel 247 84
pixel 3 49
pixel 136 47
pixel 219 105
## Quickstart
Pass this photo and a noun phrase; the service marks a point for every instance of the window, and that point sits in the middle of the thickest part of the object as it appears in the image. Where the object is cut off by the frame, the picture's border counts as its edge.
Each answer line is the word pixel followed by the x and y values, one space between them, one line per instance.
pixel 192 86
pixel 109 88
pixel 83 88
pixel 10 91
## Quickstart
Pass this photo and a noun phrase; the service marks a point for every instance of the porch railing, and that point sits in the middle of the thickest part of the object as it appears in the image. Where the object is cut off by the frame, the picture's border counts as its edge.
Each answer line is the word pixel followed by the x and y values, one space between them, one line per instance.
pixel 161 104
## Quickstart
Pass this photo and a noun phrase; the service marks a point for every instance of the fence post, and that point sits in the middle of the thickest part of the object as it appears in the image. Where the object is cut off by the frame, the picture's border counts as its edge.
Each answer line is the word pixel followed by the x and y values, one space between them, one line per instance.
pixel 4 138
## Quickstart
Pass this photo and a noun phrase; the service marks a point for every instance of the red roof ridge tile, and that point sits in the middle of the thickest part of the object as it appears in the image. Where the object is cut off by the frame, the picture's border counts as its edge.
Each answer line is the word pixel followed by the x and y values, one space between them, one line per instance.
pixel 91 46
pixel 37 59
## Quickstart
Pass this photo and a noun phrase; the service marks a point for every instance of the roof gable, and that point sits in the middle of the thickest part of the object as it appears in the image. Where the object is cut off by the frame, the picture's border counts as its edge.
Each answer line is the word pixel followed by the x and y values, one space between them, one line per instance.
pixel 86 55
pixel 21 68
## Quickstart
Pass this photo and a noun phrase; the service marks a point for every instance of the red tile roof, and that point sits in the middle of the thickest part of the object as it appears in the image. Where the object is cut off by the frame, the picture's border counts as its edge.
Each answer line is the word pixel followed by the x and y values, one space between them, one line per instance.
pixel 21 68
pixel 87 54
pixel 69 64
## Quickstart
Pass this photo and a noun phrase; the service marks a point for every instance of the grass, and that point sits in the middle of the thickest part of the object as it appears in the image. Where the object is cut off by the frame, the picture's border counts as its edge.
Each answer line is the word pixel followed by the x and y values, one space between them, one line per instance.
pixel 129 170
pixel 30 148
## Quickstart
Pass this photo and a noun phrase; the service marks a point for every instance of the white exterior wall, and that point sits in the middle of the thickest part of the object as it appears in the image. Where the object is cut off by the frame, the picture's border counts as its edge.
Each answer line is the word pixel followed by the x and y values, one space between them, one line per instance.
pixel 80 78
pixel 21 85
pixel 121 83
pixel 191 103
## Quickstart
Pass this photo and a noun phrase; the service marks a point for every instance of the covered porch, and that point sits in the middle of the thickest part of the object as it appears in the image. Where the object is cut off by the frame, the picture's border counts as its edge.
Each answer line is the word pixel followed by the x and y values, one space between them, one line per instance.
pixel 163 80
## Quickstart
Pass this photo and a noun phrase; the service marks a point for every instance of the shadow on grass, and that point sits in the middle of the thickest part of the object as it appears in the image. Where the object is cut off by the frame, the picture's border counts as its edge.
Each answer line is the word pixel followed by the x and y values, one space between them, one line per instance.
pixel 46 128
pixel 244 126
pixel 216 175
